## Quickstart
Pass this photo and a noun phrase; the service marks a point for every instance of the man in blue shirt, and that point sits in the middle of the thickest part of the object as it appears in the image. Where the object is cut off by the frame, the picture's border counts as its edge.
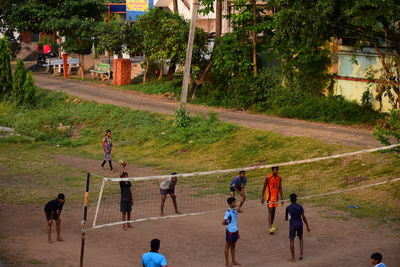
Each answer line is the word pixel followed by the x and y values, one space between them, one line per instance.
pixel 297 217
pixel 232 231
pixel 238 185
pixel 153 258
pixel 376 260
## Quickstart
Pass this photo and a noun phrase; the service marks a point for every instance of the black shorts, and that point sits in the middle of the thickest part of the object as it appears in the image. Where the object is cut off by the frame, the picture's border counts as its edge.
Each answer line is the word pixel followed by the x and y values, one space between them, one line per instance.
pixel 232 189
pixel 231 237
pixel 294 231
pixel 126 206
pixel 167 191
pixel 48 215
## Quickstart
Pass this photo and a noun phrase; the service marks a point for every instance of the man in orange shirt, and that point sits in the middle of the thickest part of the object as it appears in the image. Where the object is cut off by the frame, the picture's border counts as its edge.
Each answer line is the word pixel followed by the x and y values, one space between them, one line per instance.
pixel 271 190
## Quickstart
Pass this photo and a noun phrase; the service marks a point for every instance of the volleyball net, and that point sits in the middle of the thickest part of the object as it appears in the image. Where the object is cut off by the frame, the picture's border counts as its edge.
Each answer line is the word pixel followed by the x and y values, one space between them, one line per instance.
pixel 365 177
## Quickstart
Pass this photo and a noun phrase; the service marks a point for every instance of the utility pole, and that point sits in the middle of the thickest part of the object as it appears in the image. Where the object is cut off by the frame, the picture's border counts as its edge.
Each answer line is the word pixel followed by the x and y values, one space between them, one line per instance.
pixel 189 52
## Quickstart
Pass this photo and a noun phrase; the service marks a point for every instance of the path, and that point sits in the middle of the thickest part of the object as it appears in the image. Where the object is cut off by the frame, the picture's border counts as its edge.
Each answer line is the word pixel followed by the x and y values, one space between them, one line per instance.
pixel 138 101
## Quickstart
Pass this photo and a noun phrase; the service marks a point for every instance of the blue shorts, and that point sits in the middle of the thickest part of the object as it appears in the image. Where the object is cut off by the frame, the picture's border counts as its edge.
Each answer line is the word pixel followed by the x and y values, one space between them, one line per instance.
pixel 167 191
pixel 231 237
pixel 294 231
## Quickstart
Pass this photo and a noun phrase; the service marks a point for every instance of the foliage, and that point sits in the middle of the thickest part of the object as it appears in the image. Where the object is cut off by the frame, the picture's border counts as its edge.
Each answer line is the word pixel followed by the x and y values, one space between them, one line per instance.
pixel 5 68
pixel 301 30
pixel 7 28
pixel 182 118
pixel 111 36
pixel 19 79
pixel 30 90
pixel 165 38
pixel 389 129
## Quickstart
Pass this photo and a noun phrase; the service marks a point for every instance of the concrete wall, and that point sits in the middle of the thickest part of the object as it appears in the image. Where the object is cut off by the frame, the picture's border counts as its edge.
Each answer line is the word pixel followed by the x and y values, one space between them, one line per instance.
pixel 351 79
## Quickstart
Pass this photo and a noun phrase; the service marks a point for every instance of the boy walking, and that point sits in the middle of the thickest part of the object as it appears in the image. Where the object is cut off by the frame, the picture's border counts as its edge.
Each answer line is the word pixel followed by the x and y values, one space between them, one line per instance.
pixel 52 211
pixel 232 231
pixel 238 185
pixel 297 217
pixel 271 191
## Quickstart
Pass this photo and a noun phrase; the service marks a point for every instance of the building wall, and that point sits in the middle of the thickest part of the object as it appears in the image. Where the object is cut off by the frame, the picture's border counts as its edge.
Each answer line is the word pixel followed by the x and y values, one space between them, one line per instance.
pixel 351 74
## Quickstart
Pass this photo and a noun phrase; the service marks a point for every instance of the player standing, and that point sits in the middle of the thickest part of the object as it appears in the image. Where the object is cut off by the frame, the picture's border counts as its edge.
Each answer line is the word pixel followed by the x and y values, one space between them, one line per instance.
pixel 52 211
pixel 376 260
pixel 232 231
pixel 168 187
pixel 107 146
pixel 238 185
pixel 297 217
pixel 126 201
pixel 271 191
pixel 153 258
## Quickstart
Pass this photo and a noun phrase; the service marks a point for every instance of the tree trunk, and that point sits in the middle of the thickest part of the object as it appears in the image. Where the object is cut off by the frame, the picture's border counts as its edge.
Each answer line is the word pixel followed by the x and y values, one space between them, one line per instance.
pixel 161 71
pixel 82 66
pixel 146 71
pixel 175 4
pixel 254 38
pixel 218 18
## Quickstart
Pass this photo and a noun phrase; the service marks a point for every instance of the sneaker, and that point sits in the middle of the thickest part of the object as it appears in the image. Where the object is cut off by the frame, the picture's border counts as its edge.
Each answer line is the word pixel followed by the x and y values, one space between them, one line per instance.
pixel 271 230
pixel 273 227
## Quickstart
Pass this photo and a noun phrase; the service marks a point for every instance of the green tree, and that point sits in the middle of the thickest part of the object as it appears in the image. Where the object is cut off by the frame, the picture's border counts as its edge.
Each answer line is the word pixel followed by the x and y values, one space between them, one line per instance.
pixel 19 79
pixel 30 90
pixel 5 68
pixel 389 129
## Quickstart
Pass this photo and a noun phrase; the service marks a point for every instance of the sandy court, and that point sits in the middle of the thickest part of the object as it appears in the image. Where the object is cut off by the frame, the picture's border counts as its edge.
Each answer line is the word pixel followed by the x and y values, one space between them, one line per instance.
pixel 191 241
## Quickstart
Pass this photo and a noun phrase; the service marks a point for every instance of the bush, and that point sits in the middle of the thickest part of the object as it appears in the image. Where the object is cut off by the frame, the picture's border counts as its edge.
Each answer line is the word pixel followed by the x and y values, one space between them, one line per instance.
pixel 19 78
pixel 389 128
pixel 264 93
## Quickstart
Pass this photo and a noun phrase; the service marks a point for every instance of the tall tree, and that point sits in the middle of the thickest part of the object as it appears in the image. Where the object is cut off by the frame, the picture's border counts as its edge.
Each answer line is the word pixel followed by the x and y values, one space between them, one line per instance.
pixel 5 68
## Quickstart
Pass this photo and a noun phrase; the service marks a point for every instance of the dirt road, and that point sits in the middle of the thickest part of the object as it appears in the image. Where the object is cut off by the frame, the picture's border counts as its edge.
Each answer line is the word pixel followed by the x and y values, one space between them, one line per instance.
pixel 138 101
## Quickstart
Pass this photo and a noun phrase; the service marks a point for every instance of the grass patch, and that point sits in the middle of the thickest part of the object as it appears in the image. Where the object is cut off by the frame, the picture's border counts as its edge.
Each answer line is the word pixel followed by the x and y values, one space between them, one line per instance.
pixel 157 87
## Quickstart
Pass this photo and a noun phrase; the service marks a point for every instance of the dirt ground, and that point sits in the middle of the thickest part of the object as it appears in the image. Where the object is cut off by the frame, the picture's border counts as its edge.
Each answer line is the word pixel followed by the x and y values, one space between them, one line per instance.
pixel 189 241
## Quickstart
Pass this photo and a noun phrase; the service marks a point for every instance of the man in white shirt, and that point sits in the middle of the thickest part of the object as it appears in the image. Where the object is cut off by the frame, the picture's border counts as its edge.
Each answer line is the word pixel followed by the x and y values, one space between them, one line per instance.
pixel 168 187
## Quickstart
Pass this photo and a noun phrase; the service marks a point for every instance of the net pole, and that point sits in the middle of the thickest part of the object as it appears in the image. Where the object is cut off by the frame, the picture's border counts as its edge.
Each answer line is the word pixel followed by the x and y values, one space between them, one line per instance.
pixel 98 203
pixel 85 208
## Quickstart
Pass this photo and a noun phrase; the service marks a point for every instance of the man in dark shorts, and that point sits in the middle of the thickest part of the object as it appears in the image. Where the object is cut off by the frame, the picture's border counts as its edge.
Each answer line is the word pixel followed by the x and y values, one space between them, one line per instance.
pixel 238 185
pixel 232 231
pixel 52 211
pixel 297 217
pixel 168 187
pixel 126 200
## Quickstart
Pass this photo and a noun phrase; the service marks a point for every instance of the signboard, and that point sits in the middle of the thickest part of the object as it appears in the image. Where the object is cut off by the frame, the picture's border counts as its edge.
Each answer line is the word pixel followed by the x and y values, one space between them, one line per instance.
pixel 135 8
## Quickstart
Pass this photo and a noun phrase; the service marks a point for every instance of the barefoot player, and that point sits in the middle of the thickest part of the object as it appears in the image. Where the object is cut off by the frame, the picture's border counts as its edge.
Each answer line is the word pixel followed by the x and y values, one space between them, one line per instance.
pixel 271 191
pixel 232 231
pixel 52 211
pixel 126 198
pixel 297 217
pixel 168 187
pixel 238 185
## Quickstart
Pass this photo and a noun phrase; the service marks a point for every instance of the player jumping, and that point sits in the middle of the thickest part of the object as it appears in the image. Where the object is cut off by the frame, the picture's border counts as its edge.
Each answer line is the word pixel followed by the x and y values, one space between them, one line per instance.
pixel 271 190
pixel 238 185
